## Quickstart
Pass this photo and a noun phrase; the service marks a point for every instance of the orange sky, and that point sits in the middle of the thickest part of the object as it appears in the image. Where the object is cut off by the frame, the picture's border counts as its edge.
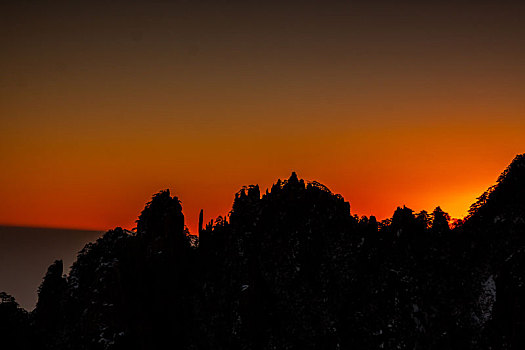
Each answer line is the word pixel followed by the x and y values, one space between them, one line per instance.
pixel 102 105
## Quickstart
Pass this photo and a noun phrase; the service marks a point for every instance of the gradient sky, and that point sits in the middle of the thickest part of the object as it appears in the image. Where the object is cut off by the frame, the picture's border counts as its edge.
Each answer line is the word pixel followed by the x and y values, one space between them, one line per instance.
pixel 102 104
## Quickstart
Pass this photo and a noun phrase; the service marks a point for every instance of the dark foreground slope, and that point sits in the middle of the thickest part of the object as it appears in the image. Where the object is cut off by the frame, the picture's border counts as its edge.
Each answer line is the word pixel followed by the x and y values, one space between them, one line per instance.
pixel 292 269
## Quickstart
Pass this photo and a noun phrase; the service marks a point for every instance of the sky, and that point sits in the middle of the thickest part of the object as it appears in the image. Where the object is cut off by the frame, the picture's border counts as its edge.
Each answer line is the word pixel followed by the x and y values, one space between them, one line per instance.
pixel 389 103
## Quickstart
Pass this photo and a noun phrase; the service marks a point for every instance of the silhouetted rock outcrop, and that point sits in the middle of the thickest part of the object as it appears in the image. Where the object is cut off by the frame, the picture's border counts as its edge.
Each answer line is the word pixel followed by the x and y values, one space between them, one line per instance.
pixel 292 269
pixel 15 330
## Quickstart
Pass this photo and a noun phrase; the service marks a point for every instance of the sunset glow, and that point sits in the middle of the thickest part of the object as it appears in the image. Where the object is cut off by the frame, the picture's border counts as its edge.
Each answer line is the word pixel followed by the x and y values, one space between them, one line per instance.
pixel 102 107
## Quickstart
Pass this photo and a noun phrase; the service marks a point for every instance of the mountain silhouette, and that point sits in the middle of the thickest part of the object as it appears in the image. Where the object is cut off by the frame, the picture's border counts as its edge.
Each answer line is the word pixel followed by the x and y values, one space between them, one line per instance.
pixel 291 269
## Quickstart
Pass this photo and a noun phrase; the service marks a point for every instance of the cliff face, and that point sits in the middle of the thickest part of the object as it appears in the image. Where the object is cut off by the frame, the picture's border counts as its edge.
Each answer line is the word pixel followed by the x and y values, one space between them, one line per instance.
pixel 293 269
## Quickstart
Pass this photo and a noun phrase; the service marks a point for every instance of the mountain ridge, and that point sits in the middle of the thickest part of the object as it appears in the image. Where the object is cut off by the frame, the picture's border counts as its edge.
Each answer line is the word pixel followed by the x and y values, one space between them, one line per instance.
pixel 294 269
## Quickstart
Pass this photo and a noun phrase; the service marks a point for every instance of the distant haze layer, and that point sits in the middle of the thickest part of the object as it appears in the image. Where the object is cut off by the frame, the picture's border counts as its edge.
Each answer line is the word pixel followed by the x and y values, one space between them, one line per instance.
pixel 26 253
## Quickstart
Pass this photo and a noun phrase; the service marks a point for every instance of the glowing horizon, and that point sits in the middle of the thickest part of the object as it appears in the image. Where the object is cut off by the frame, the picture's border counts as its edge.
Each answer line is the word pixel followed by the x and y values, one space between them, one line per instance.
pixel 455 203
